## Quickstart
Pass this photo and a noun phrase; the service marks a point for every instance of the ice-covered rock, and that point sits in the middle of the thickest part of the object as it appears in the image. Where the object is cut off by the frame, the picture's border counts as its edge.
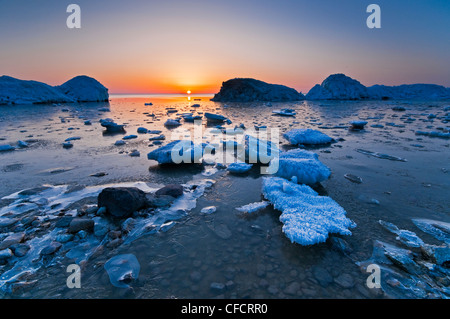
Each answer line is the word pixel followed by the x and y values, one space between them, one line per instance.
pixel 307 137
pixel 78 89
pixel 338 87
pixel 253 207
pixel 409 92
pixel 177 152
pixel 15 91
pixel 357 125
pixel 239 168
pixel 123 270
pixel 303 165
pixel 307 217
pixel 84 89
pixel 439 230
pixel 247 90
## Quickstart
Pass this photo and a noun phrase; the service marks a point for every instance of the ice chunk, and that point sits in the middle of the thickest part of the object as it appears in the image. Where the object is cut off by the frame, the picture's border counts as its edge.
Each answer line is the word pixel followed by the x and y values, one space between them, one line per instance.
pixel 253 207
pixel 381 155
pixel 111 127
pixel 307 137
pixel 409 238
pixel 239 168
pixel 307 217
pixel 172 123
pixel 301 164
pixel 216 118
pixel 179 151
pixel 122 269
pixel 247 90
pixel 6 148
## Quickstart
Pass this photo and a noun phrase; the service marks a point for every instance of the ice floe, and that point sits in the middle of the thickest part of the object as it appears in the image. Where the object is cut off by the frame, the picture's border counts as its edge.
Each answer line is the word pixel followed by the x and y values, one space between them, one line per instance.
pixel 307 217
pixel 253 207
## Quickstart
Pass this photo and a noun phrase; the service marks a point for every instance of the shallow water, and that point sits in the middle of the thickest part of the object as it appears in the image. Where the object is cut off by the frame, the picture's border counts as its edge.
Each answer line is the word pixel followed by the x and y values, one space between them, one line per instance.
pixel 248 253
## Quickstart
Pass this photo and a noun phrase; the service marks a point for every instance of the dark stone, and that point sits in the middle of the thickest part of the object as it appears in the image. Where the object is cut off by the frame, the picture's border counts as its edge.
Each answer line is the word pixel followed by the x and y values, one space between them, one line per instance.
pixel 52 248
pixel 78 224
pixel 174 190
pixel 122 201
pixel 20 250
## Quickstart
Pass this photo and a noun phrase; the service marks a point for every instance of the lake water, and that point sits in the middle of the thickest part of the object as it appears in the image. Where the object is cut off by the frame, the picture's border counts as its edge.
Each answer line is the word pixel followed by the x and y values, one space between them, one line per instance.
pixel 247 253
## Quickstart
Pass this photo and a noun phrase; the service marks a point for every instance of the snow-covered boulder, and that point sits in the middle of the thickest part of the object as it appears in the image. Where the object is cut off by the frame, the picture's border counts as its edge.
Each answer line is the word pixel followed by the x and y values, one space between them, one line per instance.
pixel 84 89
pixel 338 87
pixel 307 217
pixel 303 166
pixel 307 137
pixel 248 90
pixel 15 91
pixel 409 91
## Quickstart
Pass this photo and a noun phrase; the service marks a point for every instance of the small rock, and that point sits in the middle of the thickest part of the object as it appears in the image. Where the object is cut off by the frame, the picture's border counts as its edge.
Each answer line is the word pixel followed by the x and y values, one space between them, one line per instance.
pixel 5 254
pixel 174 190
pixel 217 287
pixel 78 224
pixel 64 238
pixel 64 222
pixel 52 248
pixel 20 250
pixel 122 201
pixel 159 201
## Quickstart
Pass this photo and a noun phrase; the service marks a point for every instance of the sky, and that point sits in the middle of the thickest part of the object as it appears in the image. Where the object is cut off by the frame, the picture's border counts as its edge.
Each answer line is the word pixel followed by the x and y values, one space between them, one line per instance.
pixel 171 46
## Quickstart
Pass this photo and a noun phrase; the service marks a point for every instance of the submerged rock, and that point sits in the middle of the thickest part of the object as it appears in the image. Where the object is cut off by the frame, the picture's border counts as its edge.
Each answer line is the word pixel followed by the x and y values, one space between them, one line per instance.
pixel 78 224
pixel 122 201
pixel 248 90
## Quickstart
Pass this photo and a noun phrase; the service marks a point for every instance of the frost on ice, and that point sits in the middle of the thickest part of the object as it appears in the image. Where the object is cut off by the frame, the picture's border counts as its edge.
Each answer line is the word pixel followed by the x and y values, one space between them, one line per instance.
pixel 307 217
pixel 122 269
pixel 307 137
pixel 303 165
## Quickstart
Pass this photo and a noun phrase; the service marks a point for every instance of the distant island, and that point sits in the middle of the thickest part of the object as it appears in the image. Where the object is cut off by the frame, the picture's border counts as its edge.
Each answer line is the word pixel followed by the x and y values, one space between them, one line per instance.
pixel 335 87
pixel 79 89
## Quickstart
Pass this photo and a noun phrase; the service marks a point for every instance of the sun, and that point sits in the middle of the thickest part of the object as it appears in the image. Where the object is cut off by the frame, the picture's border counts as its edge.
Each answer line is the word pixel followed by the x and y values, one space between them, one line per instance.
pixel 188 92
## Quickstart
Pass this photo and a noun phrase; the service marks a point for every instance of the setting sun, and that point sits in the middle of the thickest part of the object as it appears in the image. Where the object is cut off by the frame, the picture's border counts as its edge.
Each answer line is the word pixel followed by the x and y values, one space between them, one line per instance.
pixel 188 92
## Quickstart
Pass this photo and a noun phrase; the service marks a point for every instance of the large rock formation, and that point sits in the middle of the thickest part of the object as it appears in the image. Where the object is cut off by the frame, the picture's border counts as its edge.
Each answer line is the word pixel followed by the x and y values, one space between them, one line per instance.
pixel 78 89
pixel 338 87
pixel 342 87
pixel 409 91
pixel 248 90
